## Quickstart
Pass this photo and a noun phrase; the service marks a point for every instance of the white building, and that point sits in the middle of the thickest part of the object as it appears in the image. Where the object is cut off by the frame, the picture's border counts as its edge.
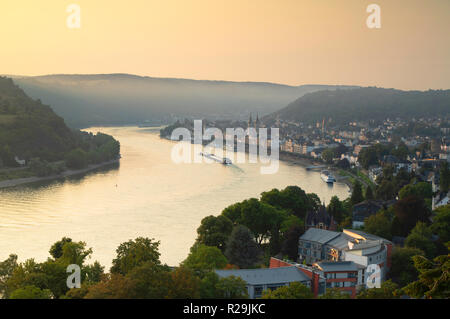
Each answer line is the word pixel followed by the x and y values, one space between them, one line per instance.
pixel 363 249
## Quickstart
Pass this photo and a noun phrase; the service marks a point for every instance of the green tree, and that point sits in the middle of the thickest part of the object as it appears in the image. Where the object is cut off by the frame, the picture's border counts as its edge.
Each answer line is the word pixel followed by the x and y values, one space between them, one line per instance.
pixel 314 202
pixel 49 275
pixel 134 253
pixel 203 259
pixel 335 293
pixel 441 223
pixel 357 193
pixel 402 269
pixel 367 157
pixel 208 285
pixel 343 164
pixel 385 190
pixel 421 190
pixel 7 156
pixel 291 221
pixel 421 238
pixel 444 177
pixel 388 290
pixel 113 286
pixel 262 219
pixel 328 155
pixel 75 253
pixel 401 151
pixel 77 293
pixel 378 225
pixel 433 279
pixel 54 276
pixel 6 271
pixel 214 287
pixel 295 290
pixel 408 212
pixel 292 199
pixel 56 250
pixel 231 288
pixel 242 250
pixel 149 281
pixel 336 209
pixel 233 212
pixel 290 243
pixel 184 284
pixel 31 292
pixel 214 231
pixel 93 273
pixel 40 168
pixel 76 159
pixel 369 193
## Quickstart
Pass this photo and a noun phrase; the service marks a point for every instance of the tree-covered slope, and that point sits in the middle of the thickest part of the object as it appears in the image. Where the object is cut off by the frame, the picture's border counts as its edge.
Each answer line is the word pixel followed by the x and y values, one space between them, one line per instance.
pixel 31 130
pixel 343 106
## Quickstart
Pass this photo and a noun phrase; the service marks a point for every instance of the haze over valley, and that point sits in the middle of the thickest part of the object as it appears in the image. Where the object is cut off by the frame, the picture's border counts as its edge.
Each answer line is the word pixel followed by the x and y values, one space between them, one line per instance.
pixel 118 99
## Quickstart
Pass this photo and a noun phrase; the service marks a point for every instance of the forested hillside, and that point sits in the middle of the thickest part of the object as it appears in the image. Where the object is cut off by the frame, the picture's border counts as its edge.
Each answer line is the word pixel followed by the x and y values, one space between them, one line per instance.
pixel 343 106
pixel 31 131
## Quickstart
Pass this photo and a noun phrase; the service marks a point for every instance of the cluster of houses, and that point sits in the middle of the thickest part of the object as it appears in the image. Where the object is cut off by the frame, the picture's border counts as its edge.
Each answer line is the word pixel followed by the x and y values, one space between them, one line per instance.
pixel 427 168
pixel 312 140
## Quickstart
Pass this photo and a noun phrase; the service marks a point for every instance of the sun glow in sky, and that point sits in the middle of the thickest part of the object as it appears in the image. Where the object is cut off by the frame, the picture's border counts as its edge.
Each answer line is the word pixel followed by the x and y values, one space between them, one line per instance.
pixel 285 41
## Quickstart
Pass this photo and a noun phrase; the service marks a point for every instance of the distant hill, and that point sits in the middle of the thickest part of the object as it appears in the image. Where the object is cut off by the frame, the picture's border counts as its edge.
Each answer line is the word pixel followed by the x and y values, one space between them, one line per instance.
pixel 343 106
pixel 84 100
pixel 29 130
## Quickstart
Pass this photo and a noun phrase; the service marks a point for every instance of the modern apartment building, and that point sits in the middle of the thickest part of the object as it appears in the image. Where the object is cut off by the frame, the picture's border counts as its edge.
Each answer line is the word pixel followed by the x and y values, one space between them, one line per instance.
pixel 318 245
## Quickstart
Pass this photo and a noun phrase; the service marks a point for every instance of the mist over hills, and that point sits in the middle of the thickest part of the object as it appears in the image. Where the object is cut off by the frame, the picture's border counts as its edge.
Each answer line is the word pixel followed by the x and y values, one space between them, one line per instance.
pixel 30 130
pixel 343 106
pixel 118 99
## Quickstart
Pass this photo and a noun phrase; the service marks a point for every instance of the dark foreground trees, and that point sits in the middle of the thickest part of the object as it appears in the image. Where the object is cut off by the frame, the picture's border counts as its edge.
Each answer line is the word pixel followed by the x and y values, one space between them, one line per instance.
pixel 295 290
pixel 242 250
pixel 434 278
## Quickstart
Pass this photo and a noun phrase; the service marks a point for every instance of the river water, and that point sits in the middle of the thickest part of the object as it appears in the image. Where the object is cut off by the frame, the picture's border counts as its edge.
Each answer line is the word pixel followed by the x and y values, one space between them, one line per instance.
pixel 146 195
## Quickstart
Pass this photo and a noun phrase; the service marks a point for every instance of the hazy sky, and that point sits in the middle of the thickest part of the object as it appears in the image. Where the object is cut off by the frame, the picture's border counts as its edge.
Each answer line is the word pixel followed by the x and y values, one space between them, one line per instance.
pixel 285 41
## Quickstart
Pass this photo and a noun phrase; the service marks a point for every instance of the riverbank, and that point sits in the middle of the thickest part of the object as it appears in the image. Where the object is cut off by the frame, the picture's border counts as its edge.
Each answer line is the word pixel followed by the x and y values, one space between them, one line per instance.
pixel 67 173
pixel 305 162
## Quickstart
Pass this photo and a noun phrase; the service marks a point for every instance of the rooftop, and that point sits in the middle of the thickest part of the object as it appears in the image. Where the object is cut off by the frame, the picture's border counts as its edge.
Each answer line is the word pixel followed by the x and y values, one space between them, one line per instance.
pixel 338 266
pixel 264 276
pixel 366 244
pixel 358 234
pixel 319 235
pixel 340 242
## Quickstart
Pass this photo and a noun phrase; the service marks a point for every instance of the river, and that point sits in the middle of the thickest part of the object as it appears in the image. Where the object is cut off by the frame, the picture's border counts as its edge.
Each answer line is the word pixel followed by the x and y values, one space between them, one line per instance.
pixel 146 195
